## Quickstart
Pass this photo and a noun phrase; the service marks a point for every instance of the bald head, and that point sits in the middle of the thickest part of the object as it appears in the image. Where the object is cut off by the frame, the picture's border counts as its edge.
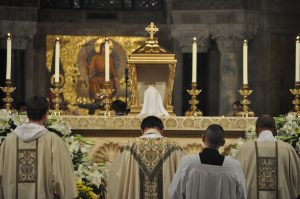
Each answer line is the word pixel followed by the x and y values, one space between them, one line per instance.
pixel 265 122
pixel 214 136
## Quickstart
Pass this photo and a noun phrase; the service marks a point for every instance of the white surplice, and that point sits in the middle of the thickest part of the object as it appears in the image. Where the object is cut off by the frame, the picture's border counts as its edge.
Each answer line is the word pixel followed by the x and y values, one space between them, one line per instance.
pixel 195 180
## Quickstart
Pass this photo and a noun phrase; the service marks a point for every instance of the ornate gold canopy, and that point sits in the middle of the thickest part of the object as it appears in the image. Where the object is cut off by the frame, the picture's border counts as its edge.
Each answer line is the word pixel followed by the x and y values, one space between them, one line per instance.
pixel 151 64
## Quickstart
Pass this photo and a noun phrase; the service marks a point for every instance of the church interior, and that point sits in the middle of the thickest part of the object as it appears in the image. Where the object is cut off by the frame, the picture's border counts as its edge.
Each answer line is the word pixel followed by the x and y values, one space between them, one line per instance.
pixel 219 26
pixel 151 43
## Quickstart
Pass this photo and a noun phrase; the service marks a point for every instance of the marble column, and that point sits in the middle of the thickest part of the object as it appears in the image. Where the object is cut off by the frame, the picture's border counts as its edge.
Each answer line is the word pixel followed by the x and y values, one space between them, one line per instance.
pixel 230 70
pixel 229 40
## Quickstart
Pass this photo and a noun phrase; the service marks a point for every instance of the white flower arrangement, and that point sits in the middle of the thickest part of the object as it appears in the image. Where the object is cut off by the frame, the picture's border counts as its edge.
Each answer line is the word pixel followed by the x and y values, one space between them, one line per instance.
pixel 289 130
pixel 250 134
pixel 57 123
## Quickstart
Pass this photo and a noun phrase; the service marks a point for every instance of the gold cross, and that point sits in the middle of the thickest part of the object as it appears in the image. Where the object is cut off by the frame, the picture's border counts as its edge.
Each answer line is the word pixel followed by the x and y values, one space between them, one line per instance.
pixel 151 29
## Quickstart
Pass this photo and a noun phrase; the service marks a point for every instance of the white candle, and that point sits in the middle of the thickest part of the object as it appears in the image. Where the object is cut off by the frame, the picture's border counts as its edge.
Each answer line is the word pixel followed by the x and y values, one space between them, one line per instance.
pixel 57 54
pixel 194 61
pixel 8 57
pixel 245 62
pixel 297 72
pixel 106 60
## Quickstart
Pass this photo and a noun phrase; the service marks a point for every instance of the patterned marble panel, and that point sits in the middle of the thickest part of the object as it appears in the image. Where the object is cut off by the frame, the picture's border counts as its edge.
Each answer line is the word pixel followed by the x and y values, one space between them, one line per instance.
pixel 174 123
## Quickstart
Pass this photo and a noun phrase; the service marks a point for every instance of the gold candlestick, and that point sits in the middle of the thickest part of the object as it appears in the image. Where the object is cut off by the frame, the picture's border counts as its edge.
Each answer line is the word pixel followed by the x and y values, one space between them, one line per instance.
pixel 245 92
pixel 106 92
pixel 8 90
pixel 57 90
pixel 194 111
pixel 296 101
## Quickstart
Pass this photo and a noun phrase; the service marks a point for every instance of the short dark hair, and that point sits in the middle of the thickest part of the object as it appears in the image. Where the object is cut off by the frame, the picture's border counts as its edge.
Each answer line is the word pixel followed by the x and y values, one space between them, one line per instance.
pixel 214 135
pixel 152 122
pixel 37 107
pixel 119 106
pixel 266 122
pixel 20 104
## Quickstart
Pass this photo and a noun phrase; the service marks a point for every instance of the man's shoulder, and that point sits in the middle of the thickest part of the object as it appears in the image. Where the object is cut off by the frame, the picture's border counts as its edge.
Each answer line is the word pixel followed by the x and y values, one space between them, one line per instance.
pixel 248 145
pixel 51 135
pixel 231 161
pixel 161 141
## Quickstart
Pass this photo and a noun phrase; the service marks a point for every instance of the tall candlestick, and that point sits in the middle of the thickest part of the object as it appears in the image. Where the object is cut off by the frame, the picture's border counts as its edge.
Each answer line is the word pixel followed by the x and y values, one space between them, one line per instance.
pixel 245 62
pixel 57 52
pixel 297 72
pixel 8 57
pixel 106 60
pixel 194 61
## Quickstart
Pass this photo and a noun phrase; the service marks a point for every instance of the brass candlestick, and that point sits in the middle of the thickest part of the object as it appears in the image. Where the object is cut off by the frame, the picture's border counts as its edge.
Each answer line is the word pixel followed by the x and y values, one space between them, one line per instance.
pixel 296 101
pixel 194 92
pixel 57 90
pixel 245 92
pixel 8 90
pixel 106 92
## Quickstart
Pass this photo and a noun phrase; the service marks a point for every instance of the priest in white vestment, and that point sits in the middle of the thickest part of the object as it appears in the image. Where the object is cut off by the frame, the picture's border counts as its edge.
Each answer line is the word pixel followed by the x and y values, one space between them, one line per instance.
pixel 153 104
pixel 145 166
pixel 209 174
pixel 35 163
pixel 271 166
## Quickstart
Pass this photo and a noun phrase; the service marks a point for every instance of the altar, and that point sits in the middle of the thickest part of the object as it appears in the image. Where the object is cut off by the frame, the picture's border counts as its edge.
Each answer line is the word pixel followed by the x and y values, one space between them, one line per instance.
pixel 148 64
pixel 110 133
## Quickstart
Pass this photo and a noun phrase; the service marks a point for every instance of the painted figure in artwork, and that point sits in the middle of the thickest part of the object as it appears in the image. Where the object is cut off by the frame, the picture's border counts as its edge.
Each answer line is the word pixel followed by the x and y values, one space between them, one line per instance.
pixel 96 71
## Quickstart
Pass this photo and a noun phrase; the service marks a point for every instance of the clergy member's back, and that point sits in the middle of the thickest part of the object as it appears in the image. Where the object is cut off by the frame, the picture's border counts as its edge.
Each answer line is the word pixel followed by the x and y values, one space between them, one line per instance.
pixel 35 163
pixel 145 167
pixel 195 180
pixel 209 174
pixel 271 167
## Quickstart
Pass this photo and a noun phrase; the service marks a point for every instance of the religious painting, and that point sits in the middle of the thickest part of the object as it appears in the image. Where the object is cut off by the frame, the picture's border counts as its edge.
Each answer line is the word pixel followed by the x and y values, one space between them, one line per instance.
pixel 82 63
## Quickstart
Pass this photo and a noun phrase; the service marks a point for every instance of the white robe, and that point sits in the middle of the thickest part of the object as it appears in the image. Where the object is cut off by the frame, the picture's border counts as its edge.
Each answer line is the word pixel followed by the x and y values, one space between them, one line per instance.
pixel 195 180
pixel 153 104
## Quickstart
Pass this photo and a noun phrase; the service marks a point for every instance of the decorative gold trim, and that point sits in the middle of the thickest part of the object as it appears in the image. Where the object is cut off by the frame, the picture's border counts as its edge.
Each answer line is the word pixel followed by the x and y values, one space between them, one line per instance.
pixel 176 123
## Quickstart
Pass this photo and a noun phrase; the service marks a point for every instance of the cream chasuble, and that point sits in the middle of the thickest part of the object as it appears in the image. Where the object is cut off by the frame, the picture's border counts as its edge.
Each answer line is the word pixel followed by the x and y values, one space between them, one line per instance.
pixel 144 168
pixel 271 168
pixel 34 170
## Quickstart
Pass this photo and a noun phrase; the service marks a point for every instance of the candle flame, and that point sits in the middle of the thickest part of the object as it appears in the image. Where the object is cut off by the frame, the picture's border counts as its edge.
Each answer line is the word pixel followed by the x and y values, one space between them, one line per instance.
pixel 194 39
pixel 106 39
pixel 245 42
pixel 57 39
pixel 298 39
pixel 8 35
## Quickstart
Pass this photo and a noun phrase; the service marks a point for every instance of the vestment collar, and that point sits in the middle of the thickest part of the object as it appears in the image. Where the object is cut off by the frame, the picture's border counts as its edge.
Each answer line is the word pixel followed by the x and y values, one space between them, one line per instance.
pixel 266 135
